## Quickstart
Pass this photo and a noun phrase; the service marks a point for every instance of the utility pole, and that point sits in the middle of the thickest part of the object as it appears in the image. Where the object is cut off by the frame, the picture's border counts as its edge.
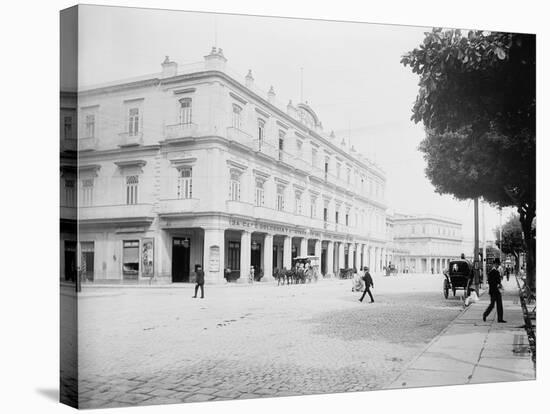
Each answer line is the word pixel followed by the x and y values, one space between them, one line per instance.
pixel 500 232
pixel 484 243
pixel 476 245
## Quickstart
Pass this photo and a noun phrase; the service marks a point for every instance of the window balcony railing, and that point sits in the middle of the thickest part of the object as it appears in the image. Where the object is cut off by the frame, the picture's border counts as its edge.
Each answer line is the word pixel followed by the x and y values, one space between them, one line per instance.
pixel 143 211
pixel 87 144
pixel 179 131
pixel 175 206
pixel 127 140
pixel 238 135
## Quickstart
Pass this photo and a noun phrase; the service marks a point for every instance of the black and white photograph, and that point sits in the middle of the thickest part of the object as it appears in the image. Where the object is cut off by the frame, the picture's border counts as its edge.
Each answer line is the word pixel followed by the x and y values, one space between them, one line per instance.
pixel 269 206
pixel 234 200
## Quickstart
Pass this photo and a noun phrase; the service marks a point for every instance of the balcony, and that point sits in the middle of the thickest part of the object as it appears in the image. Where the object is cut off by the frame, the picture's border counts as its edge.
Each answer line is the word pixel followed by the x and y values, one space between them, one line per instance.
pixel 127 140
pixel 177 206
pixel 124 213
pixel 180 131
pixel 87 144
pixel 239 208
pixel 235 134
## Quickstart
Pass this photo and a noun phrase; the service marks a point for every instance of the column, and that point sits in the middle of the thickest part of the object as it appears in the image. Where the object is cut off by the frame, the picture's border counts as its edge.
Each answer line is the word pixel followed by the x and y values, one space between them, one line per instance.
pixel 268 258
pixel 361 255
pixel 341 258
pixel 355 258
pixel 372 260
pixel 317 249
pixel 213 258
pixel 245 256
pixel 330 259
pixel 287 253
pixel 303 247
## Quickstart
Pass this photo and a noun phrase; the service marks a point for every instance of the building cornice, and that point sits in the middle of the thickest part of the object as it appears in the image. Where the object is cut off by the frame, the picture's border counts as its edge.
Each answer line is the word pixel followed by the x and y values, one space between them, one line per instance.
pixel 246 91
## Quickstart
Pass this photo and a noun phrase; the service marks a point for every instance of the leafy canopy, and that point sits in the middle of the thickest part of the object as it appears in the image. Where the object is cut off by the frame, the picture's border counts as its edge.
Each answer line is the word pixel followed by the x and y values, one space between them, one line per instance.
pixel 477 101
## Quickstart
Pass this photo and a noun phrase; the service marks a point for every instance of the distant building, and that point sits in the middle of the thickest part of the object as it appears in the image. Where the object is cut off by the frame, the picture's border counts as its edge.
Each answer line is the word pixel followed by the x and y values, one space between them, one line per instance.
pixel 196 165
pixel 424 243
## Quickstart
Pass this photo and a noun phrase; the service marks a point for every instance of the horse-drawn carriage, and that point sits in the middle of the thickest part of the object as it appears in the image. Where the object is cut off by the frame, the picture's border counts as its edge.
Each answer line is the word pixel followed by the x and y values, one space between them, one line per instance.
pixel 458 276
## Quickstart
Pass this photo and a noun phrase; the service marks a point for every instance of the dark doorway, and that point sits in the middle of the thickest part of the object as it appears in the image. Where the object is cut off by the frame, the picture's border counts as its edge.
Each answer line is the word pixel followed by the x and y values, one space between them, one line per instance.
pixel 275 258
pixel 181 253
pixel 87 261
pixel 324 270
pixel 256 258
pixel 70 261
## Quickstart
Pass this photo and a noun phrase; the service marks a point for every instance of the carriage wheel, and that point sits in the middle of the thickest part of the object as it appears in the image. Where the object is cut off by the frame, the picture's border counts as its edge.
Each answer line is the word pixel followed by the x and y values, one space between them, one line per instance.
pixel 446 289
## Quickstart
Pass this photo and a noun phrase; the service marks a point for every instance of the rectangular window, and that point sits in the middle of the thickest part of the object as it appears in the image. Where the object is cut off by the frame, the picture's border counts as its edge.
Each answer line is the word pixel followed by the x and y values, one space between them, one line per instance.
pixel 70 193
pixel 325 214
pixel 336 217
pixel 280 197
pixel 133 121
pixel 185 183
pixel 326 169
pixel 236 119
pixel 314 157
pixel 347 219
pixel 68 127
pixel 299 146
pixel 87 192
pixel 313 207
pixel 259 194
pixel 349 176
pixel 298 207
pixel 130 257
pixel 338 170
pixel 261 133
pixel 132 182
pixel 235 186
pixel 185 111
pixel 281 144
pixel 89 126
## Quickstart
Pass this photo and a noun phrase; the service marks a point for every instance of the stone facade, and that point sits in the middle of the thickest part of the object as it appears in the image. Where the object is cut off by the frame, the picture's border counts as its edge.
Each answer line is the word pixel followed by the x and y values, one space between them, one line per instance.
pixel 193 166
pixel 425 243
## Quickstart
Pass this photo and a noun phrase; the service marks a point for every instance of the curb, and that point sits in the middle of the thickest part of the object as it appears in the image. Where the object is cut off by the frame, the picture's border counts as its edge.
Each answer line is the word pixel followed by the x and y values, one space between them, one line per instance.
pixel 423 351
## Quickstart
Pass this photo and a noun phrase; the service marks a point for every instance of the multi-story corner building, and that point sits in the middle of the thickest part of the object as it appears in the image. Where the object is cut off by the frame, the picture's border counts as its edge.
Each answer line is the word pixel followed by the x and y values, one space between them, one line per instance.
pixel 196 166
pixel 426 243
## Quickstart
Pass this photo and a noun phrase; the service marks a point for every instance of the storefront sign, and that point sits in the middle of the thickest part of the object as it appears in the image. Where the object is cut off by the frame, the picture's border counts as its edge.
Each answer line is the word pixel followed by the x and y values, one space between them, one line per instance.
pixel 147 257
pixel 214 263
pixel 265 227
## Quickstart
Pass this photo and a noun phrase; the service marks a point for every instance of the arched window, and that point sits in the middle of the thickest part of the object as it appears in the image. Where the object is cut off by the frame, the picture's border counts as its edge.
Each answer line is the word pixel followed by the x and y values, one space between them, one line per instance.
pixel 259 194
pixel 185 111
pixel 185 183
pixel 235 186
pixel 132 182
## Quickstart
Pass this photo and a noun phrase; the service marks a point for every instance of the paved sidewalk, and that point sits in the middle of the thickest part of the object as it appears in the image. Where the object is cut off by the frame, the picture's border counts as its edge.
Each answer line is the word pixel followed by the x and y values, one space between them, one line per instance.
pixel 470 351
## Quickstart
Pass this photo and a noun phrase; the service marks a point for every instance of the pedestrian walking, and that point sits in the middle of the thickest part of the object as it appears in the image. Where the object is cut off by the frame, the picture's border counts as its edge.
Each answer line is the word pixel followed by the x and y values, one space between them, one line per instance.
pixel 494 280
pixel 367 278
pixel 199 280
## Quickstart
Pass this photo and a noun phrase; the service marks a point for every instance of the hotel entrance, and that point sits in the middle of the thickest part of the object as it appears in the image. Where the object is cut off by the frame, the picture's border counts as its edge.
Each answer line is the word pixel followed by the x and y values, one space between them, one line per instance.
pixel 181 255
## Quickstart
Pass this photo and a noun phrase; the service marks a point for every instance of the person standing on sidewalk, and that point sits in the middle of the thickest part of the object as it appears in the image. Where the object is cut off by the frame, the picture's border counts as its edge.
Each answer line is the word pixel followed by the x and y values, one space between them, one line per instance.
pixel 368 283
pixel 199 280
pixel 494 280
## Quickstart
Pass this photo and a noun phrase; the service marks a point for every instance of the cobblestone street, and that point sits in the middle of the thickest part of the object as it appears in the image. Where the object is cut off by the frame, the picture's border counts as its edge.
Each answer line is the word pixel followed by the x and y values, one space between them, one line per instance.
pixel 141 346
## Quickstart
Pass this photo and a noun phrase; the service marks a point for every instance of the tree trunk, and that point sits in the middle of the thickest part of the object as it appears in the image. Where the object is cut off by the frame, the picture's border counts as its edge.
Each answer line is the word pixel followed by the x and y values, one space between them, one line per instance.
pixel 526 216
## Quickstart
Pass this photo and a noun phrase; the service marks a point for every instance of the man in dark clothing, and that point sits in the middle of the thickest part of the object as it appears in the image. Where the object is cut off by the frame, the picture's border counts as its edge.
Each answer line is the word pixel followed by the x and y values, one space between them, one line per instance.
pixel 368 283
pixel 199 281
pixel 493 279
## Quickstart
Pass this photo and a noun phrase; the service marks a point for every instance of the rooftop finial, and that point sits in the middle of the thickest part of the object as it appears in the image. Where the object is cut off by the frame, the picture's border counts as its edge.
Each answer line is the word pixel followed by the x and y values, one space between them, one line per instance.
pixel 166 59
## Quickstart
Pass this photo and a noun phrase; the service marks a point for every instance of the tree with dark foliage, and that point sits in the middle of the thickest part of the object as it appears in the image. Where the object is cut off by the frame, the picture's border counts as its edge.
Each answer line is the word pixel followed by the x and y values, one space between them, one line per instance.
pixel 477 103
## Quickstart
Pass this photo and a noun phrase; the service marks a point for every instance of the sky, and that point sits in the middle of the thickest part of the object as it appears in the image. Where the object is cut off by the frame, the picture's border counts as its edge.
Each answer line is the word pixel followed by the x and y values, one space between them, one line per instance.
pixel 352 78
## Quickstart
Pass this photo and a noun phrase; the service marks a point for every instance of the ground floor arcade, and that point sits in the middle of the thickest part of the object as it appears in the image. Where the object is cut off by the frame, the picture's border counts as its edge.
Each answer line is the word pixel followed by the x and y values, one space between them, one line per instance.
pixel 169 251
